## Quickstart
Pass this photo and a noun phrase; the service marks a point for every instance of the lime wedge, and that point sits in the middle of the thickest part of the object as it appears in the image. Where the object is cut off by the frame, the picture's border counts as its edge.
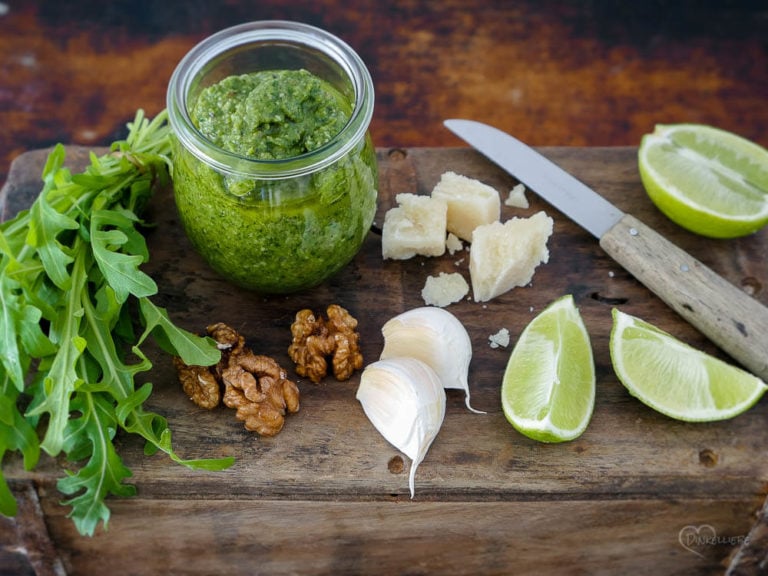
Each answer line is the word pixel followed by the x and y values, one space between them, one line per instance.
pixel 675 378
pixel 707 180
pixel 548 391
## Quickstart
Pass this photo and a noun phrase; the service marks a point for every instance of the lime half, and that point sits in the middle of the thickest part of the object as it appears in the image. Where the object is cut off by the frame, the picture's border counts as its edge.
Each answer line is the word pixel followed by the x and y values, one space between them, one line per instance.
pixel 707 180
pixel 548 391
pixel 675 378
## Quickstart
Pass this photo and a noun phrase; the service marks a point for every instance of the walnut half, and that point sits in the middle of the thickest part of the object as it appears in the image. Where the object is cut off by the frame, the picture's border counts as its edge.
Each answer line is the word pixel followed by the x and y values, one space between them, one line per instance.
pixel 316 339
pixel 199 383
pixel 260 391
pixel 256 386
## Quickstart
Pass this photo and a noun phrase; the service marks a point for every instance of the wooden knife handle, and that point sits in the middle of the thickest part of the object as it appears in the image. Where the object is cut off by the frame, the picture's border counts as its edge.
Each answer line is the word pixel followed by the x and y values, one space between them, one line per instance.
pixel 728 316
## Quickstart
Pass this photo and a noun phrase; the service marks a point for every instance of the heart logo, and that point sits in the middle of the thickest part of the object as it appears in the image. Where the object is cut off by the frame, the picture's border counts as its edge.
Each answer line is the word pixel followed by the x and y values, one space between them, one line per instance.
pixel 692 537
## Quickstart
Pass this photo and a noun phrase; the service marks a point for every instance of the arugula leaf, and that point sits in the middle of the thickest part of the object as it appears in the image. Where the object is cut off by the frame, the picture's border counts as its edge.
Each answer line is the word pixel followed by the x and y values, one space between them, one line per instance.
pixel 8 506
pixel 17 434
pixel 63 377
pixel 45 225
pixel 121 270
pixel 31 335
pixel 115 375
pixel 154 428
pixel 104 472
pixel 54 162
pixel 70 276
pixel 10 354
pixel 5 245
pixel 174 340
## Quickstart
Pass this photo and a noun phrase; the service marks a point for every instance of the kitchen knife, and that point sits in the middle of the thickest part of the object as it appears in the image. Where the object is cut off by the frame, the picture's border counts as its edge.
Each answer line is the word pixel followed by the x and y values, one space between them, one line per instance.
pixel 728 316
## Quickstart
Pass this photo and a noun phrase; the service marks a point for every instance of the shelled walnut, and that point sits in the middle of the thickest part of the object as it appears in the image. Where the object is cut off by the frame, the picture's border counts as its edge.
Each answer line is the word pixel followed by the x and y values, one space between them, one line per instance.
pixel 199 383
pixel 256 386
pixel 316 339
pixel 260 391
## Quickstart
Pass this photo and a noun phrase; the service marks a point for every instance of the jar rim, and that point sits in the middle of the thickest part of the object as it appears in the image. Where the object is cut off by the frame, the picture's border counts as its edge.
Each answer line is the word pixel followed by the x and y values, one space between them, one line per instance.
pixel 261 32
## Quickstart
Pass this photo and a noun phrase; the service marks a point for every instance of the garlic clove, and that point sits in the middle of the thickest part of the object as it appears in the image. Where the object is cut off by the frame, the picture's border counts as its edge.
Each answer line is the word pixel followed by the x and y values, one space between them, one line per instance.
pixel 405 401
pixel 437 338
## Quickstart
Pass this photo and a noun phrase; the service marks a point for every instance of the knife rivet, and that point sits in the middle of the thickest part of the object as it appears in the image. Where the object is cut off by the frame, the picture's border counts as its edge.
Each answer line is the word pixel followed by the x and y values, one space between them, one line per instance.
pixel 633 232
pixel 684 268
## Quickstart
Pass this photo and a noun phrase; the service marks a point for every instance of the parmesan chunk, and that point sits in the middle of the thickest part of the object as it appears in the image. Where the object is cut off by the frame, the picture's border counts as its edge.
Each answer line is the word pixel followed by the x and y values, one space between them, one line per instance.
pixel 444 289
pixel 516 197
pixel 501 338
pixel 416 226
pixel 504 256
pixel 453 243
pixel 470 203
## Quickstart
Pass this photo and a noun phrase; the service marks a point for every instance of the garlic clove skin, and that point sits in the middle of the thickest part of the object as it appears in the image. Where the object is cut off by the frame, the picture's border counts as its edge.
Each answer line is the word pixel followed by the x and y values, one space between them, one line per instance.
pixel 437 338
pixel 405 401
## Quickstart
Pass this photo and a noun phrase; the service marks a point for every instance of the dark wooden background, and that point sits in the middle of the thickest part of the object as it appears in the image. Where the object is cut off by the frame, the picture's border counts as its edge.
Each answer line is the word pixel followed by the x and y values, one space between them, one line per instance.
pixel 581 72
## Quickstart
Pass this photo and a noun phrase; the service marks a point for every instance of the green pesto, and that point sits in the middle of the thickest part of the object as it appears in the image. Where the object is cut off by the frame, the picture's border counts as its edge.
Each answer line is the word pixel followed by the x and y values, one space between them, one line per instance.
pixel 275 236
pixel 271 114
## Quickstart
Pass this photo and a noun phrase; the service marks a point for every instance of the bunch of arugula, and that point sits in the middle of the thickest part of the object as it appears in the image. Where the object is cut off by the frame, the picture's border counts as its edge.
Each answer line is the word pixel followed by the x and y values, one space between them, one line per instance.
pixel 72 296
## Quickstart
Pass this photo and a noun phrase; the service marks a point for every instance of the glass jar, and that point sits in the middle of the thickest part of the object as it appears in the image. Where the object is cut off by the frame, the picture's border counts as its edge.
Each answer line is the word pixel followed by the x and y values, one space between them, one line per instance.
pixel 274 226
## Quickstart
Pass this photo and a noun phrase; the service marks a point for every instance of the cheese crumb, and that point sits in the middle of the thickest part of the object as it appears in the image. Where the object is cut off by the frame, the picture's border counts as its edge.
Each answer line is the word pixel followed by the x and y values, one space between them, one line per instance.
pixel 416 226
pixel 470 203
pixel 444 289
pixel 516 197
pixel 504 256
pixel 453 243
pixel 501 338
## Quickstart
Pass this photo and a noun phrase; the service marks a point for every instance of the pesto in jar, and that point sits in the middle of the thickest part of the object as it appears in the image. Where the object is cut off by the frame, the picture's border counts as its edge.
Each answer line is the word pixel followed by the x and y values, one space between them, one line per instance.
pixel 272 114
pixel 275 235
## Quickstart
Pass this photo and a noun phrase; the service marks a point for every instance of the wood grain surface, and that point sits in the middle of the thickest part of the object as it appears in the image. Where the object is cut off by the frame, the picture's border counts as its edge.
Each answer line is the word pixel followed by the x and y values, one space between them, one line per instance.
pixel 637 493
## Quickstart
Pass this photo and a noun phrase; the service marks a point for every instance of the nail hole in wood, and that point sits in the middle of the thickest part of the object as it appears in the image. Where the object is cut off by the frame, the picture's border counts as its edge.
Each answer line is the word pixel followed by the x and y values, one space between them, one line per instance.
pixel 751 285
pixel 708 458
pixel 396 465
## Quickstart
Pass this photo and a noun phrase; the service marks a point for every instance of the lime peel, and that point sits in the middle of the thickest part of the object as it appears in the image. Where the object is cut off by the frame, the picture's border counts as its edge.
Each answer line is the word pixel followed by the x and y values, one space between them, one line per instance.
pixel 707 180
pixel 548 390
pixel 676 379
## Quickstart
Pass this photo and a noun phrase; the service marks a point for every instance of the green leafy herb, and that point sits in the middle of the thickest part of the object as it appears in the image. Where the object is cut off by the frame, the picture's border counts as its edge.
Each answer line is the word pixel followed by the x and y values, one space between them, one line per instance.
pixel 70 289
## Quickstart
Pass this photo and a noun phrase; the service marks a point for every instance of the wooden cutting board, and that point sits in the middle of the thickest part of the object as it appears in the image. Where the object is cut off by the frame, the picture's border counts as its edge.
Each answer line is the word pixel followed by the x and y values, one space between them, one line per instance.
pixel 637 493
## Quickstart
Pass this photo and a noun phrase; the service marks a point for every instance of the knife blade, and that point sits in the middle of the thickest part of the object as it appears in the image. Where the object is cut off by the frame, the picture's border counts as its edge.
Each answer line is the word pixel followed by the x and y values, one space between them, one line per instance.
pixel 728 316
